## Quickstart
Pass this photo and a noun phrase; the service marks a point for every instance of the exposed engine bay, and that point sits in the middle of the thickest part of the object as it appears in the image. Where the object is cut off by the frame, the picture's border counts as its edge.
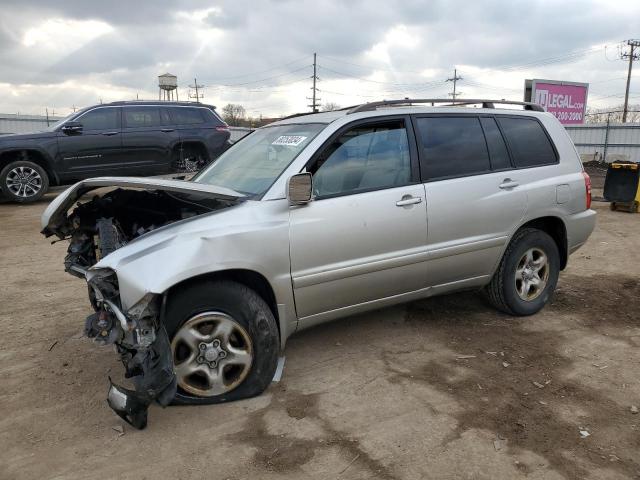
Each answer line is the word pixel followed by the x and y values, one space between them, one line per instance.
pixel 106 223
pixel 95 229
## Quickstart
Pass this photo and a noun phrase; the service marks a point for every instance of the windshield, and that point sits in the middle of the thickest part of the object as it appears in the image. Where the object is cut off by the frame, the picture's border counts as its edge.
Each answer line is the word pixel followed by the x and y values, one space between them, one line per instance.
pixel 253 164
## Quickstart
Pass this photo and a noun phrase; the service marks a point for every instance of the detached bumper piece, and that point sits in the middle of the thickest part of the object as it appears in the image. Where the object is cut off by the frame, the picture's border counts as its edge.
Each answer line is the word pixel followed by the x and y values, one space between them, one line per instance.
pixel 131 406
pixel 152 372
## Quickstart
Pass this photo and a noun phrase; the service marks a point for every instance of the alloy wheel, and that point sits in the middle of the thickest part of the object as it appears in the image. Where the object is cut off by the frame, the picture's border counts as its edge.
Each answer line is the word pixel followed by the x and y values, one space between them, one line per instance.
pixel 532 274
pixel 212 354
pixel 23 182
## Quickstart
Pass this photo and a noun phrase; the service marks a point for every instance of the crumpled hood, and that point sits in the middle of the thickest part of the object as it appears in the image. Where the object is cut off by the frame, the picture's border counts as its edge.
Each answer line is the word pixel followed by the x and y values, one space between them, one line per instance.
pixel 55 214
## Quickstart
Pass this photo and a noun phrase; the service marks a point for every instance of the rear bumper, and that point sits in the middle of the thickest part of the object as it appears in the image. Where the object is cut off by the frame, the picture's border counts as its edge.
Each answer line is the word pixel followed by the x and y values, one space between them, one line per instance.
pixel 579 227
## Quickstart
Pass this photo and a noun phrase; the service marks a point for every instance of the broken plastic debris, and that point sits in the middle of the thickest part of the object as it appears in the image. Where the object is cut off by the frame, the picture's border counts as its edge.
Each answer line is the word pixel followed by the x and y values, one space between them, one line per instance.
pixel 505 364
pixel 539 385
pixel 633 409
pixel 584 434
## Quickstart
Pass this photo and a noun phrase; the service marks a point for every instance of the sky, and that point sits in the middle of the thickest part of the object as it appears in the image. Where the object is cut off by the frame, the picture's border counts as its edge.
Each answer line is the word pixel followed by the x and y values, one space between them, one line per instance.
pixel 65 54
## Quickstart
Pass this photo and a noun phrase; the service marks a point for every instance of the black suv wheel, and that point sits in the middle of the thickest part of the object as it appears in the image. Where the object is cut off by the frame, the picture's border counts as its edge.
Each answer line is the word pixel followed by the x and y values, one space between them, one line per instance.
pixel 23 181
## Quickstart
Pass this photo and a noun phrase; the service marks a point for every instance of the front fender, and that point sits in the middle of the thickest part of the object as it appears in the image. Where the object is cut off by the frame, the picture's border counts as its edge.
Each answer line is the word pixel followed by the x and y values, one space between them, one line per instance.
pixel 253 236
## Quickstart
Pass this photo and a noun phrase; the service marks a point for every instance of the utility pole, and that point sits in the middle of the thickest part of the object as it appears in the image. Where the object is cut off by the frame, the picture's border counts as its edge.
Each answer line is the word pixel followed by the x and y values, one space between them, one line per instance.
pixel 454 79
pixel 631 55
pixel 314 101
pixel 197 88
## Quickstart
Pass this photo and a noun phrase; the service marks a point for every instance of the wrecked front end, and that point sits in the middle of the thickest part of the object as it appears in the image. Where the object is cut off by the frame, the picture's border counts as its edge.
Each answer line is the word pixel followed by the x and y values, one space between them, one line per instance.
pixel 140 340
pixel 97 227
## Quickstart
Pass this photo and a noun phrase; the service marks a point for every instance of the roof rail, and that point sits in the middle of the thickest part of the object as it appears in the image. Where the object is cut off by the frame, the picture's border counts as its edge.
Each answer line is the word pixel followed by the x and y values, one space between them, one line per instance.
pixel 366 107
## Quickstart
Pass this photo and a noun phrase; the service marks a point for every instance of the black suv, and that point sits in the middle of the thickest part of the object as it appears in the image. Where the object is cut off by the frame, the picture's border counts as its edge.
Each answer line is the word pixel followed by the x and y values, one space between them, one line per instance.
pixel 120 138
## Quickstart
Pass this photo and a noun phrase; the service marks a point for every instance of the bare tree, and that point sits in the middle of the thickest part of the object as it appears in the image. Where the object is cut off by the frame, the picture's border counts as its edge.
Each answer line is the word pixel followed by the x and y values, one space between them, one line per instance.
pixel 233 114
pixel 599 115
pixel 330 106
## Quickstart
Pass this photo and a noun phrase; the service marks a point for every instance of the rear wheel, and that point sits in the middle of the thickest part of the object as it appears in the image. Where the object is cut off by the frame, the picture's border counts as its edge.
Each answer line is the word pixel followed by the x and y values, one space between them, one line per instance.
pixel 190 159
pixel 224 342
pixel 23 181
pixel 527 275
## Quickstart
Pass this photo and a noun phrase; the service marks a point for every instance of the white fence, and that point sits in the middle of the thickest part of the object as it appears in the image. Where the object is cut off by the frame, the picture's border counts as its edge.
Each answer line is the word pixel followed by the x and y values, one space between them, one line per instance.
pixel 607 142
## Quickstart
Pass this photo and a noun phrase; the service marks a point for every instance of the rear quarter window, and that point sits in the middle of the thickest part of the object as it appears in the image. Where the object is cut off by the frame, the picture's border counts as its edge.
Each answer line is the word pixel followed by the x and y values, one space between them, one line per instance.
pixel 186 115
pixel 529 144
pixel 452 147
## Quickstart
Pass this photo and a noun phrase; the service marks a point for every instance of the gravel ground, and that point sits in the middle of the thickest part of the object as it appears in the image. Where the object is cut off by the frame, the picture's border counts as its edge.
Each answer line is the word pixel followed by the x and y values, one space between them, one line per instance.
pixel 441 388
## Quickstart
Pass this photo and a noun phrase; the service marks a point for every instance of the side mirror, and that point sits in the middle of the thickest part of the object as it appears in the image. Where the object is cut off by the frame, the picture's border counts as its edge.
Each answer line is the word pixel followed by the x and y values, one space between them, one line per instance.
pixel 72 127
pixel 300 189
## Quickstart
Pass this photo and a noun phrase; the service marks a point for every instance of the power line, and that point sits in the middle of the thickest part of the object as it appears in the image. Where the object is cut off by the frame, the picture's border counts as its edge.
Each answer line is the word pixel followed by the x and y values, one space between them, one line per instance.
pixel 263 71
pixel 375 81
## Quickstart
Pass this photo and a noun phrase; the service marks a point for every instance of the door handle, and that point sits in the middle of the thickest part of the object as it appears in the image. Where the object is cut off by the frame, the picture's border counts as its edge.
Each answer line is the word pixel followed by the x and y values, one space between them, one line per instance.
pixel 108 134
pixel 508 184
pixel 408 200
pixel 167 130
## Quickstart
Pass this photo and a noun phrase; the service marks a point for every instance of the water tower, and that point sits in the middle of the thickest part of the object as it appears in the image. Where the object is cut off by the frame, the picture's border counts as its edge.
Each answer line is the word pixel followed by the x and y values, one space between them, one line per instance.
pixel 168 85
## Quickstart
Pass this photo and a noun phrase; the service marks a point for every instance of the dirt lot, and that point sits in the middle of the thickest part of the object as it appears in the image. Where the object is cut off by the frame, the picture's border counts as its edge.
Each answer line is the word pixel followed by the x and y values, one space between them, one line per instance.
pixel 438 389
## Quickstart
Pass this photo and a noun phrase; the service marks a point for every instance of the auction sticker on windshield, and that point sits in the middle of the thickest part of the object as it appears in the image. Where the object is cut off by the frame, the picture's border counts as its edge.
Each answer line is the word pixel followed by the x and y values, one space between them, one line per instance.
pixel 289 140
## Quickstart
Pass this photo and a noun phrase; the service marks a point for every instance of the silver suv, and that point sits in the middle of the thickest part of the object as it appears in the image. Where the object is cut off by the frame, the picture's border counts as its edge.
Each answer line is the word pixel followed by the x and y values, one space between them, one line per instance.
pixel 316 217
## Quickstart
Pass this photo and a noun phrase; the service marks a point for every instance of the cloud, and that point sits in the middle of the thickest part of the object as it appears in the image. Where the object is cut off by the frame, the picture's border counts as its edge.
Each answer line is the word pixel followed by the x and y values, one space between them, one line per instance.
pixel 71 52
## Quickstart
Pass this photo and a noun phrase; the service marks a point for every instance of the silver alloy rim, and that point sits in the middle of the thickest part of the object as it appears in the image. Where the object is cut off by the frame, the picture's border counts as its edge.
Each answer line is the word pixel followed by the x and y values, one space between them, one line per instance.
pixel 532 274
pixel 212 354
pixel 24 182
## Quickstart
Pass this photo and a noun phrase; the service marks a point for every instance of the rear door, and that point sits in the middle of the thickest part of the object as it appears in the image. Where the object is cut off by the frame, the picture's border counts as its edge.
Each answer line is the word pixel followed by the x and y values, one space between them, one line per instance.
pixel 473 196
pixel 362 239
pixel 97 149
pixel 148 139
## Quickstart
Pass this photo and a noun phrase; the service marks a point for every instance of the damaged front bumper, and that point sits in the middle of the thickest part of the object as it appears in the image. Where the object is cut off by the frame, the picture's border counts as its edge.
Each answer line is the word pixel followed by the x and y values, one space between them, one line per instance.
pixel 141 341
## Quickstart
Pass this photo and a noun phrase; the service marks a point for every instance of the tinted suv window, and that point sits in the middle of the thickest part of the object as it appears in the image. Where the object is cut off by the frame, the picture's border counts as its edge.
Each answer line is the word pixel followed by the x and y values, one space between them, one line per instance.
pixel 105 118
pixel 497 148
pixel 186 115
pixel 452 146
pixel 142 117
pixel 367 157
pixel 528 142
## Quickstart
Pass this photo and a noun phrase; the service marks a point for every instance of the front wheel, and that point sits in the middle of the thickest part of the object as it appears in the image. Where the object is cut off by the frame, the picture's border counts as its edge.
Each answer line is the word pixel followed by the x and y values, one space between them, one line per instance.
pixel 224 342
pixel 23 181
pixel 527 275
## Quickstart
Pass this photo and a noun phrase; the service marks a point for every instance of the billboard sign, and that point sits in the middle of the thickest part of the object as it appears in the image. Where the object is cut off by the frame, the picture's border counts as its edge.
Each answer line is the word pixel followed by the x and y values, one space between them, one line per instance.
pixel 566 100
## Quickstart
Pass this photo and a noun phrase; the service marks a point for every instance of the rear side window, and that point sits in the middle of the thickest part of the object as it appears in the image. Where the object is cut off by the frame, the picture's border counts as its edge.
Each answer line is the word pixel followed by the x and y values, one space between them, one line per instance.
pixel 529 144
pixel 186 115
pixel 497 148
pixel 142 117
pixel 452 146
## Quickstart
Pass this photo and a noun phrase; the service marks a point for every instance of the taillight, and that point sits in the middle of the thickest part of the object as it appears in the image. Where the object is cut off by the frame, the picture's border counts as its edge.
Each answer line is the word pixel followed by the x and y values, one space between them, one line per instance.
pixel 222 128
pixel 587 187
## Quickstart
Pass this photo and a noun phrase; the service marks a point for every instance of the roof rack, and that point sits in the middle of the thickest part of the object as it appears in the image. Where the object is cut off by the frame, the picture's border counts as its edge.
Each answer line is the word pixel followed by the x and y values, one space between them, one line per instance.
pixel 366 107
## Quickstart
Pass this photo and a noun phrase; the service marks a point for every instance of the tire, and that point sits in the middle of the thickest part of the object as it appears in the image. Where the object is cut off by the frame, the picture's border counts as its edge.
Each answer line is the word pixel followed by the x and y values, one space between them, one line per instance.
pixel 222 300
pixel 23 181
pixel 512 281
pixel 189 159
